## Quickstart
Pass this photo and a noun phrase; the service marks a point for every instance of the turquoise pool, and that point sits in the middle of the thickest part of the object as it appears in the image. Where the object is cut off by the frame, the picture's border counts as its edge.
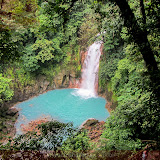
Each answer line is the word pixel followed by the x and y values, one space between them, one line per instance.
pixel 63 105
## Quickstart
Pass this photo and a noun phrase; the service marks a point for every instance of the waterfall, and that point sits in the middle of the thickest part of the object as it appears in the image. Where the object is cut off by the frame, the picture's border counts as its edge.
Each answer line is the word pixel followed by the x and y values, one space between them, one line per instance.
pixel 90 71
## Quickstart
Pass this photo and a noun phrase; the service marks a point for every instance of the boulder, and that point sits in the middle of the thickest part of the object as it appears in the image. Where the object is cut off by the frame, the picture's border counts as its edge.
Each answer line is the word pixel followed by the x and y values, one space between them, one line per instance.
pixel 89 122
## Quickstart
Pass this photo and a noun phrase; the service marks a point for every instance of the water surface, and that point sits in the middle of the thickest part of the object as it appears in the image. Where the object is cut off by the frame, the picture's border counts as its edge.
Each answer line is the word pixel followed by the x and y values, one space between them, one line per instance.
pixel 63 105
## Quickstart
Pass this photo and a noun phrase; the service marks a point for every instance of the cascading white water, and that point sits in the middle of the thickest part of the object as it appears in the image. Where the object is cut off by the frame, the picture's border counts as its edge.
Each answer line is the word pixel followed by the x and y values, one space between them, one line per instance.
pixel 90 71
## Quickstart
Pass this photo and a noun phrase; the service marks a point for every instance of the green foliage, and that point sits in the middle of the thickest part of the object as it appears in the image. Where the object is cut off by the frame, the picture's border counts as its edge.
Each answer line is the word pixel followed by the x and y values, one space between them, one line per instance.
pixel 45 50
pixel 23 78
pixel 71 62
pixel 17 14
pixel 78 142
pixel 117 138
pixel 136 115
pixel 54 43
pixel 113 49
pixel 125 67
pixel 10 46
pixel 53 134
pixel 20 77
pixel 5 92
pixel 29 59
pixel 88 30
pixel 133 120
pixel 50 72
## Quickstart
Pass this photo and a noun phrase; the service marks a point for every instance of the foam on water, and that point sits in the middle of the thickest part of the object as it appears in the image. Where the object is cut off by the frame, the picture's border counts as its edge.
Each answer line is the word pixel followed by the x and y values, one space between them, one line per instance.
pixel 84 93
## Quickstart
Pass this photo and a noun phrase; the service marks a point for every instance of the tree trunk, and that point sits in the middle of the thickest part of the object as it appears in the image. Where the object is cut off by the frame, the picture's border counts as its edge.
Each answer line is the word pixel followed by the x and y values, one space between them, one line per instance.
pixel 139 35
pixel 140 38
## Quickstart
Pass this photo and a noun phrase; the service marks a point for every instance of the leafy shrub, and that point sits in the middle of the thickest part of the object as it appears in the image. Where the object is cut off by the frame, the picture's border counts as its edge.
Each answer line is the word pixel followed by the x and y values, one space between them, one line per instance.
pixel 77 142
pixel 53 134
pixel 5 92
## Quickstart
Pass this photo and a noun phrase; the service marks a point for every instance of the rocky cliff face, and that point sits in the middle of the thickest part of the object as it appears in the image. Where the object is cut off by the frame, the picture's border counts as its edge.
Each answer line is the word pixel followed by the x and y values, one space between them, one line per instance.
pixel 111 104
pixel 42 84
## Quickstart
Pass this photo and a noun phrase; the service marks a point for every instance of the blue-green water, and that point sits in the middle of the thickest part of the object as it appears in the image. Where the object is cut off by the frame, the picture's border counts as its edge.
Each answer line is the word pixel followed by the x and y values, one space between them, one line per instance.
pixel 62 105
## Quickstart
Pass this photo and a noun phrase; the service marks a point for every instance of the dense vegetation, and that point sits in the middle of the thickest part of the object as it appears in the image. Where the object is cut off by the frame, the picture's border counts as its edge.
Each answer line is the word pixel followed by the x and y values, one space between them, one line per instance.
pixel 131 79
pixel 39 37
